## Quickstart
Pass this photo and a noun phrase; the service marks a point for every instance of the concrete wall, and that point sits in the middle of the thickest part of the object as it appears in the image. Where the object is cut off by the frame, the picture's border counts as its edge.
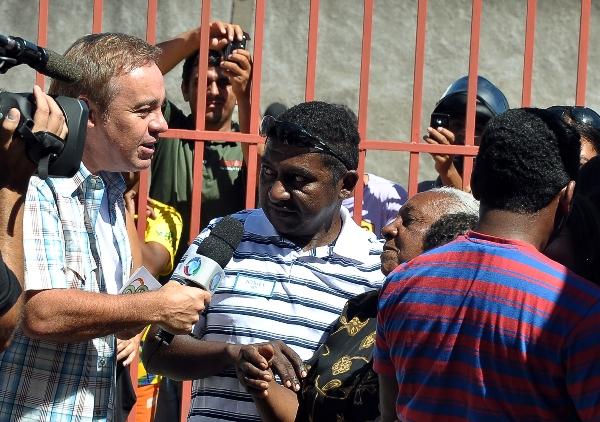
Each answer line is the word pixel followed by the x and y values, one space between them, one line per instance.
pixel 338 61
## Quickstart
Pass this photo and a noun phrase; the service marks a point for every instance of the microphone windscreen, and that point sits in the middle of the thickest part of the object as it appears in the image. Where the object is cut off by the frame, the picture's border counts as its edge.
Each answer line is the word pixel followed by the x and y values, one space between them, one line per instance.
pixel 222 241
pixel 61 68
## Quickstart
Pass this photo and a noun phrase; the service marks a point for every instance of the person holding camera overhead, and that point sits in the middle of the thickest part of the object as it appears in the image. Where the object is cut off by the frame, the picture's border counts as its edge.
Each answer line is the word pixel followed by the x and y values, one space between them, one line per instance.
pixel 62 362
pixel 447 126
pixel 228 84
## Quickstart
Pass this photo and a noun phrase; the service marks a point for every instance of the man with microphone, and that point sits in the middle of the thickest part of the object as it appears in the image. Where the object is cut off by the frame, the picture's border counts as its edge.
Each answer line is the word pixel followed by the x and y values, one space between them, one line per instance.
pixel 61 364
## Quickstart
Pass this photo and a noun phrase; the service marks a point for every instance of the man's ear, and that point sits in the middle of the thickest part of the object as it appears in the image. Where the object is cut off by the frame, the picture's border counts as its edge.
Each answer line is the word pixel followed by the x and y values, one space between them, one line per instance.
pixel 92 113
pixel 349 181
pixel 185 91
pixel 565 201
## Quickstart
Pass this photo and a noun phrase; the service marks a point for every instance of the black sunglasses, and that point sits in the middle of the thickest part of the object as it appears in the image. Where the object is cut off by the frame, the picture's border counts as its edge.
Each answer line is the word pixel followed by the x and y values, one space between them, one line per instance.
pixel 292 134
pixel 579 114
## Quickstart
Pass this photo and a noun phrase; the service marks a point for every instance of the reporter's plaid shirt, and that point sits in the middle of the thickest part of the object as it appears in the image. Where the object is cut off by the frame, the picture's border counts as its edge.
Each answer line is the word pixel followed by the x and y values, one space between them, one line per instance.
pixel 43 380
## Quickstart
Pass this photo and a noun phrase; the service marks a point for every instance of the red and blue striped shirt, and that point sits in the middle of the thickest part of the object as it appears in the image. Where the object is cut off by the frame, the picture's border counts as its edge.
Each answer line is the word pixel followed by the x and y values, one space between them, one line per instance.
pixel 490 329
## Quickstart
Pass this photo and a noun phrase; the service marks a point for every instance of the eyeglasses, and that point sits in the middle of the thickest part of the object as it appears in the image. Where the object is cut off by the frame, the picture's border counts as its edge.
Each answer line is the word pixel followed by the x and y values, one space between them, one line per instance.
pixel 292 134
pixel 583 115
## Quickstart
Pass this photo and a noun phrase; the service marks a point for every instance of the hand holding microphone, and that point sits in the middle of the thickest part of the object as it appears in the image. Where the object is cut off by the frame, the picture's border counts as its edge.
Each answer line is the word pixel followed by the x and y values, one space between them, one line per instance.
pixel 203 267
pixel 181 307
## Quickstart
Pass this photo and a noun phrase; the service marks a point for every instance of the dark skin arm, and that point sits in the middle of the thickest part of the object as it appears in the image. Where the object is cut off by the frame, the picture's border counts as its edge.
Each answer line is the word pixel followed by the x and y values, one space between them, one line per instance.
pixel 273 401
pixel 388 390
pixel 186 357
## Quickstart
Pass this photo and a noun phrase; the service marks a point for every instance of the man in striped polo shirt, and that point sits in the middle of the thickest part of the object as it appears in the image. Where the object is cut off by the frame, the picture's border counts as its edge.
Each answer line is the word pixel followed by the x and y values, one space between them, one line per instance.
pixel 301 258
pixel 487 327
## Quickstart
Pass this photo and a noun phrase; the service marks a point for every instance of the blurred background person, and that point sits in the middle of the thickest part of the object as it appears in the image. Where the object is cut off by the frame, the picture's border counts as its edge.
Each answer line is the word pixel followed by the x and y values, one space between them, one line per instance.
pixel 447 126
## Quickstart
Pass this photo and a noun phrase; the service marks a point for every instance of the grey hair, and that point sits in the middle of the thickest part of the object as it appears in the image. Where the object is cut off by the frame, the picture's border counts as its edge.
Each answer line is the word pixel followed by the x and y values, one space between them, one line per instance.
pixel 464 202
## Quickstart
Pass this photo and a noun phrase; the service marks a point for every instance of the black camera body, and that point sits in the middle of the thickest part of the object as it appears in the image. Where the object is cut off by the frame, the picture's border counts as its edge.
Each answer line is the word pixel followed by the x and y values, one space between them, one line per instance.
pixel 235 45
pixel 439 120
pixel 53 156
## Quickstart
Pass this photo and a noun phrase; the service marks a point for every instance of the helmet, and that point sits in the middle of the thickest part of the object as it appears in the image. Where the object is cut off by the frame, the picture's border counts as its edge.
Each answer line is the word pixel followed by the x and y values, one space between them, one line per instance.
pixel 490 100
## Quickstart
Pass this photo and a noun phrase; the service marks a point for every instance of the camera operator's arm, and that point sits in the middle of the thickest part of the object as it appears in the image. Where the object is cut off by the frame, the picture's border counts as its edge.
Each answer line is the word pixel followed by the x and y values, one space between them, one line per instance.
pixel 15 174
pixel 183 45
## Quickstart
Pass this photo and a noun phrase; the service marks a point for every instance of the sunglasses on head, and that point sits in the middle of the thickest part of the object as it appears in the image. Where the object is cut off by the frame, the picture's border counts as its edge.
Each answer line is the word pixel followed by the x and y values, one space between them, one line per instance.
pixel 582 115
pixel 292 134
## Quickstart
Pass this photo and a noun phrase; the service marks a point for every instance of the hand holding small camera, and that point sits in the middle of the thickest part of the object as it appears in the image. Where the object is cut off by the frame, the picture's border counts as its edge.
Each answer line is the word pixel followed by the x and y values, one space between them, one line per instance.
pixel 238 68
pixel 438 133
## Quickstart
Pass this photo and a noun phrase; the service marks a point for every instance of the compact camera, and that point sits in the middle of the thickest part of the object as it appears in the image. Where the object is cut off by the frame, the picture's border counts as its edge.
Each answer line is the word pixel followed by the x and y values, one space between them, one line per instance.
pixel 439 120
pixel 235 45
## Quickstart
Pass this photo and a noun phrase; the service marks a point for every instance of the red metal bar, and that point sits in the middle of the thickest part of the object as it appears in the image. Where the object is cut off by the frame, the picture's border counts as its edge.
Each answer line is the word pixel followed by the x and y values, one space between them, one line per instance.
pixel 582 59
pixel 472 88
pixel 420 147
pixel 196 205
pixel 311 59
pixel 363 101
pixel 97 17
pixel 217 136
pixel 528 53
pixel 151 19
pixel 42 36
pixel 417 104
pixel 252 164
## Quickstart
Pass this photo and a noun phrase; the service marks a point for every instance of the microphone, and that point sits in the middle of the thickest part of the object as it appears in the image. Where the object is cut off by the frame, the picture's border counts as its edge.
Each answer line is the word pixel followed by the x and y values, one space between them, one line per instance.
pixel 203 267
pixel 41 59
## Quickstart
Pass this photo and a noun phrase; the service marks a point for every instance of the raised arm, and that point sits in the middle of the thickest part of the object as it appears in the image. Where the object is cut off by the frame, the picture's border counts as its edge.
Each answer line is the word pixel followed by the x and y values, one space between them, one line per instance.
pixel 184 44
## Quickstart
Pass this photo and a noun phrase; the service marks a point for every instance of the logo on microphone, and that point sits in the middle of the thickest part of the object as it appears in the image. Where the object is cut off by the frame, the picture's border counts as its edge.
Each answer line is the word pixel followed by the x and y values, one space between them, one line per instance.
pixel 193 266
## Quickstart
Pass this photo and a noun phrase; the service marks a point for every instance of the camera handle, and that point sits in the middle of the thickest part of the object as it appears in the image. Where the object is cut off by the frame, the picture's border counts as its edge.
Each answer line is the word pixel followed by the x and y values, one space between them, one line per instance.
pixel 7 63
pixel 41 146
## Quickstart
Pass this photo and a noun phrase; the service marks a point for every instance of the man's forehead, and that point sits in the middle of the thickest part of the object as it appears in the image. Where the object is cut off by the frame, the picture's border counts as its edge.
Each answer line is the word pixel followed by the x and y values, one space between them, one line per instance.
pixel 276 151
pixel 426 202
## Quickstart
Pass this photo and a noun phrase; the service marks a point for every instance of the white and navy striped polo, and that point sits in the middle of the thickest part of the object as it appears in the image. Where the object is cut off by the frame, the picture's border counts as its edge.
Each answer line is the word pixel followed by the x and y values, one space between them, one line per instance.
pixel 275 291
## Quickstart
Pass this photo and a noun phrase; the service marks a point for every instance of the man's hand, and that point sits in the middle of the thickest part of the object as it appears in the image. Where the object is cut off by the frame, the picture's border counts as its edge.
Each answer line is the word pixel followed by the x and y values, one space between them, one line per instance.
pixel 444 163
pixel 238 67
pixel 252 368
pixel 181 306
pixel 184 45
pixel 17 168
pixel 258 362
pixel 128 349
pixel 222 33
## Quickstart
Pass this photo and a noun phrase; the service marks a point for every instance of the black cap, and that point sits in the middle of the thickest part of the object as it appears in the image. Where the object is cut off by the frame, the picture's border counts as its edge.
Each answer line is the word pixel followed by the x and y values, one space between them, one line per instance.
pixel 490 100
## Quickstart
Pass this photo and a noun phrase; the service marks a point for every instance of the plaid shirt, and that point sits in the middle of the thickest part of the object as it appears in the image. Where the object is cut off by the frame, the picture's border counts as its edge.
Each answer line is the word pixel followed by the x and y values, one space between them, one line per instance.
pixel 43 380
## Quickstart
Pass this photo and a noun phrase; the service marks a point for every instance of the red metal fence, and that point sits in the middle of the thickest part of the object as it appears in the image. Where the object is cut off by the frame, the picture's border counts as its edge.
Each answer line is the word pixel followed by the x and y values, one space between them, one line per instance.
pixel 414 147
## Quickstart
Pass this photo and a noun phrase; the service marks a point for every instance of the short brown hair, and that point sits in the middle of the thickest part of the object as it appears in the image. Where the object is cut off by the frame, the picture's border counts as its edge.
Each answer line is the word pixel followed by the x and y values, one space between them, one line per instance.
pixel 102 57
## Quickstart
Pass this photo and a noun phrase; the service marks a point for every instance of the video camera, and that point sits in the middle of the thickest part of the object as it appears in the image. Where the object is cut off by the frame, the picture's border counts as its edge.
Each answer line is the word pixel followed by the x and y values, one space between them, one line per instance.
pixel 52 156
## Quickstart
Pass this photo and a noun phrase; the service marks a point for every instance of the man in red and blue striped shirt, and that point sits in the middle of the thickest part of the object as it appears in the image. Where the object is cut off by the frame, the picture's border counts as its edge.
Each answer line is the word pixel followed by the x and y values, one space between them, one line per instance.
pixel 486 327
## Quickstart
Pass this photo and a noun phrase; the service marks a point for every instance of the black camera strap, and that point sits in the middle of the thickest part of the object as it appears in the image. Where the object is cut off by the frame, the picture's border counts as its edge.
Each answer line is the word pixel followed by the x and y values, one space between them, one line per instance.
pixel 42 146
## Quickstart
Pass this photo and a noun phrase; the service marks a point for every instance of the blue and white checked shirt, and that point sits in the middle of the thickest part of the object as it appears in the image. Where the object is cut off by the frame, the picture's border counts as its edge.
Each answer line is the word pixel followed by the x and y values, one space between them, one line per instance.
pixel 44 380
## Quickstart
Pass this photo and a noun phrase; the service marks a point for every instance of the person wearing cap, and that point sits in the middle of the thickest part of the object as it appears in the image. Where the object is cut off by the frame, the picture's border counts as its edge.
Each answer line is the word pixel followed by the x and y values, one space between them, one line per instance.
pixel 585 121
pixel 302 257
pixel 487 328
pixel 452 108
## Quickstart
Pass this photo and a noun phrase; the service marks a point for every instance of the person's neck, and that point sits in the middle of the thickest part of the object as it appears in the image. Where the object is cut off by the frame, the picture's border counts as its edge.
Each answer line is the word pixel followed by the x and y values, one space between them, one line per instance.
pixel 219 126
pixel 534 229
pixel 325 236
